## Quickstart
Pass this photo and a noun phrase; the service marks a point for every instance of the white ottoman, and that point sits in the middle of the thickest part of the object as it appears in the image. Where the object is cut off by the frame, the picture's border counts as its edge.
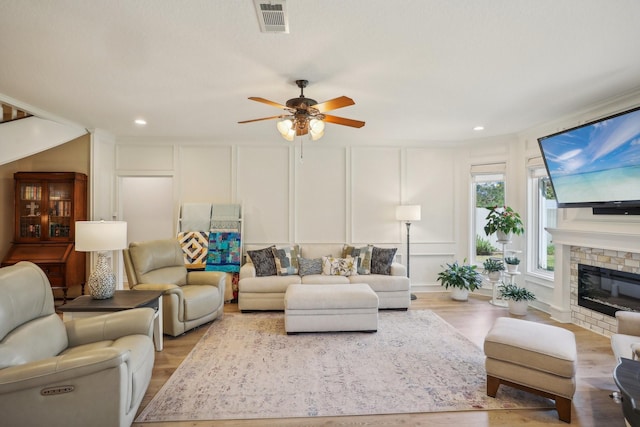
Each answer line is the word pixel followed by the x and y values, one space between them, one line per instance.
pixel 325 308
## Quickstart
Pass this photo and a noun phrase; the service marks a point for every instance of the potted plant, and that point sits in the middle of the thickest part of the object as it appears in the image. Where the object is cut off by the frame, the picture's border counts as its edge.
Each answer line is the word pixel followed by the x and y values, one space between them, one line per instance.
pixel 512 264
pixel 493 267
pixel 517 297
pixel 503 221
pixel 463 278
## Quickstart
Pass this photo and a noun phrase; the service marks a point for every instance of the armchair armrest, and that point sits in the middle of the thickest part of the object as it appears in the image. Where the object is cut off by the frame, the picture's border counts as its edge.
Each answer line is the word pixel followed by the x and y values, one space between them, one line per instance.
pixel 137 321
pixel 155 287
pixel 628 323
pixel 55 370
pixel 211 278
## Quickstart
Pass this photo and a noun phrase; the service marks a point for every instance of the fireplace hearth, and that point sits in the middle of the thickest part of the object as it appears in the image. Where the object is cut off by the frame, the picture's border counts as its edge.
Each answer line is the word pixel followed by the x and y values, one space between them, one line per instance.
pixel 607 291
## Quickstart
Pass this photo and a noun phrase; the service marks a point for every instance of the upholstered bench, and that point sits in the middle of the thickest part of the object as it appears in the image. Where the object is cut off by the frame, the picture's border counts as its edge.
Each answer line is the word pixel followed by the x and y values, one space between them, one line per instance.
pixel 534 357
pixel 325 308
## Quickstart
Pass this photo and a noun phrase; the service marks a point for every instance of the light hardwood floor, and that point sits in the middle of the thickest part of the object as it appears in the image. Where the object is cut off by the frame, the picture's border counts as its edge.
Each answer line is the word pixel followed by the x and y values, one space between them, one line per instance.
pixel 592 405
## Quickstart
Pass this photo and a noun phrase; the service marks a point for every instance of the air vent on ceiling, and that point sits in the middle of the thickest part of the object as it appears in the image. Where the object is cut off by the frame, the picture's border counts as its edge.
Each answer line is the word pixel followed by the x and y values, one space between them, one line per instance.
pixel 272 16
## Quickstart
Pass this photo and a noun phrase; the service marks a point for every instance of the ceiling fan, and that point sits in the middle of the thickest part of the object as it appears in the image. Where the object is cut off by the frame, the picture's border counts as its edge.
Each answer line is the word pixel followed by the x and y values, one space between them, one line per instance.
pixel 307 116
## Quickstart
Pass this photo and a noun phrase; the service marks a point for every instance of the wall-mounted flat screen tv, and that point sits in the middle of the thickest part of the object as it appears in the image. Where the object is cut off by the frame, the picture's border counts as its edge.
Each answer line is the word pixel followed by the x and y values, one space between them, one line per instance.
pixel 597 164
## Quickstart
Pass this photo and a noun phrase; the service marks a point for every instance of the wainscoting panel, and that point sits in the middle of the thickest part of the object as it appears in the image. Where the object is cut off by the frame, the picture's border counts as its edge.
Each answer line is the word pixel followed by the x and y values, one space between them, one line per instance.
pixel 426 266
pixel 320 195
pixel 430 183
pixel 263 189
pixel 205 174
pixel 375 190
pixel 144 157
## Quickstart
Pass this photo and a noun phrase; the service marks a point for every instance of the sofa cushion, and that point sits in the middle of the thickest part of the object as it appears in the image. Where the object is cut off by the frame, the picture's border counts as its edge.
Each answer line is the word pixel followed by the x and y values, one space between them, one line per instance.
pixel 271 284
pixel 263 261
pixel 383 283
pixel 286 259
pixel 323 279
pixel 307 266
pixel 381 260
pixel 332 266
pixel 362 255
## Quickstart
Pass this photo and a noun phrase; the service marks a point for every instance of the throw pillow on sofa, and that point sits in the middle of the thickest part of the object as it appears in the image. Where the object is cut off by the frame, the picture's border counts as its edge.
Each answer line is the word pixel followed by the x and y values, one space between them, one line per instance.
pixel 362 256
pixel 263 261
pixel 308 266
pixel 286 260
pixel 381 260
pixel 339 266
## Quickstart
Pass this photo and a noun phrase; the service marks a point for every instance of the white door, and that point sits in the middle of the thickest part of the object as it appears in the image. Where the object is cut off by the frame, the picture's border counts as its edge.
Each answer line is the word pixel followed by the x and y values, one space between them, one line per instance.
pixel 147 205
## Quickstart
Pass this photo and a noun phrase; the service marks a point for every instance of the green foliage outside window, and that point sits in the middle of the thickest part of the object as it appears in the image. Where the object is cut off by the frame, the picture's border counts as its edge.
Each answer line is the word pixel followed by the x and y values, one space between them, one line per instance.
pixel 489 194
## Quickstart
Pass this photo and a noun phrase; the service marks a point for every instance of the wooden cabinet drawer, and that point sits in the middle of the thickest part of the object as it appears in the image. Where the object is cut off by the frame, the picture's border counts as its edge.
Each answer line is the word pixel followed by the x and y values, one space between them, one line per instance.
pixel 52 271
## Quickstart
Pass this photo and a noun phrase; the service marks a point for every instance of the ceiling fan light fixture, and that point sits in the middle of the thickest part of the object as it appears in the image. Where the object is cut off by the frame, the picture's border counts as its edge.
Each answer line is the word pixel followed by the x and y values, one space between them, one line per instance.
pixel 316 135
pixel 316 129
pixel 316 125
pixel 285 127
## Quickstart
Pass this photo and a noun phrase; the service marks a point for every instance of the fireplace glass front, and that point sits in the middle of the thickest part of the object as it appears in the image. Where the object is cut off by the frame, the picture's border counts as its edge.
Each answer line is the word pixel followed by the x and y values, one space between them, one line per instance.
pixel 607 291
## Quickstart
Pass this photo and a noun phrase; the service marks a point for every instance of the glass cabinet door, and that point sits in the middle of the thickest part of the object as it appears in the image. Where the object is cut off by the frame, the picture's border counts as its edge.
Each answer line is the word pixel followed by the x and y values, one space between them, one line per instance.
pixel 60 209
pixel 29 206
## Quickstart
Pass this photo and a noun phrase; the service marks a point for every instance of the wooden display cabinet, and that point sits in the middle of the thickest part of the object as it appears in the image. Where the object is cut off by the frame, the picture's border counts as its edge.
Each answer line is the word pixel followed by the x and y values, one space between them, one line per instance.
pixel 47 205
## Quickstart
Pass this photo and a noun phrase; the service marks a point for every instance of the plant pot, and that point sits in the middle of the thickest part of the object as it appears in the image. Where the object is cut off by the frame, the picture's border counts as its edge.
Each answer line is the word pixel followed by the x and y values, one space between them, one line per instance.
pixel 494 276
pixel 512 268
pixel 458 294
pixel 518 308
pixel 504 237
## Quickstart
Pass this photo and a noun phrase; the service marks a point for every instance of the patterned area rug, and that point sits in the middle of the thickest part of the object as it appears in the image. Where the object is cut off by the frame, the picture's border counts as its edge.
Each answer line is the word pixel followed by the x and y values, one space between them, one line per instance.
pixel 246 367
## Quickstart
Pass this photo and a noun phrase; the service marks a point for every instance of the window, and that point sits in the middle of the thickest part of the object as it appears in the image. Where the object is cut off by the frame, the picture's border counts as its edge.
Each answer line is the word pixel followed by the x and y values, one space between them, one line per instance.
pixel 488 185
pixel 543 214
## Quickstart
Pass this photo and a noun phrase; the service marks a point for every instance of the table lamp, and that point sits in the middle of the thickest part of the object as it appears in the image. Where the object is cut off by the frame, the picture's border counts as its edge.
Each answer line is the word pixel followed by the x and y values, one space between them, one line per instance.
pixel 101 237
pixel 408 213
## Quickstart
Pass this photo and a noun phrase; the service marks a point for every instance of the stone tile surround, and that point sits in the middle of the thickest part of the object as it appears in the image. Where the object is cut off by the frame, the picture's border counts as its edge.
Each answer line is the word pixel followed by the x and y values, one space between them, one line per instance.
pixel 614 260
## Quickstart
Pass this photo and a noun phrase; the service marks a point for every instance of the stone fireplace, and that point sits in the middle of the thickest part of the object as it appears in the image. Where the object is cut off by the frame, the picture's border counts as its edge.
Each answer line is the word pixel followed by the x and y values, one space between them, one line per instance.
pixel 590 316
pixel 614 251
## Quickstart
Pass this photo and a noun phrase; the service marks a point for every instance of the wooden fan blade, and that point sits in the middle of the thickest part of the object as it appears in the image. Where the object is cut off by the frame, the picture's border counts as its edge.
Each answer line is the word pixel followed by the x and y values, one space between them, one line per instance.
pixel 265 118
pixel 266 101
pixel 333 104
pixel 343 121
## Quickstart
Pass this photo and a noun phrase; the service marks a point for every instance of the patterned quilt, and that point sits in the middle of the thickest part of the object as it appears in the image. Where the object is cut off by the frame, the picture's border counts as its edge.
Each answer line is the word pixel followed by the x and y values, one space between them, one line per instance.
pixel 224 252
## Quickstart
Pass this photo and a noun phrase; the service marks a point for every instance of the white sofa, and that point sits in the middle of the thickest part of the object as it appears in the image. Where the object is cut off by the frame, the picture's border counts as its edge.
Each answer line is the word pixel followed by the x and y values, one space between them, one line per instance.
pixel 267 292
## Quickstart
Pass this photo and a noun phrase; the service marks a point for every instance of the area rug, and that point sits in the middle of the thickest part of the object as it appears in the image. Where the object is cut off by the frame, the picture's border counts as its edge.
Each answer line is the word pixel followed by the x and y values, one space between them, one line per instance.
pixel 246 367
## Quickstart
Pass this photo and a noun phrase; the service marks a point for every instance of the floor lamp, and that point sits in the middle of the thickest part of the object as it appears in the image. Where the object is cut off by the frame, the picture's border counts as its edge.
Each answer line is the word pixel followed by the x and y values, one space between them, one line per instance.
pixel 408 213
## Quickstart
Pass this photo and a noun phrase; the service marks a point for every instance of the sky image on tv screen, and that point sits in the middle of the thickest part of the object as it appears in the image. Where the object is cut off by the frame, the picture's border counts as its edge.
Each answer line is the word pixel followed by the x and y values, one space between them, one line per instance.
pixel 598 162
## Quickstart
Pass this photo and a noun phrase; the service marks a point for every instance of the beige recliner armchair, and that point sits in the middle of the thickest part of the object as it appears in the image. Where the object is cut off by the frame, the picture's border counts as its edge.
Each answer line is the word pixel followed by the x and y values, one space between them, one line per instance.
pixel 190 299
pixel 626 342
pixel 86 372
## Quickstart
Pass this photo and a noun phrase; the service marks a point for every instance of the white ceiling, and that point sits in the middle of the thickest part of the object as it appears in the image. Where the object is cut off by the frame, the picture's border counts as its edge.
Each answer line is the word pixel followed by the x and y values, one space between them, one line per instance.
pixel 418 70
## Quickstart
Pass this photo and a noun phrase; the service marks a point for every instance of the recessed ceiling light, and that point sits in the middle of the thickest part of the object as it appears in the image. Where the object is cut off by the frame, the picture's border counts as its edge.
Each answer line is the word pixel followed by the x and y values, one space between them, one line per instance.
pixel 478 128
pixel 140 122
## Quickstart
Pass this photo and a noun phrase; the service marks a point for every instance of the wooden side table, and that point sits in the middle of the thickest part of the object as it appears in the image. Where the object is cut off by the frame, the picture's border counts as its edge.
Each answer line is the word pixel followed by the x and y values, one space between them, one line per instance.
pixel 86 306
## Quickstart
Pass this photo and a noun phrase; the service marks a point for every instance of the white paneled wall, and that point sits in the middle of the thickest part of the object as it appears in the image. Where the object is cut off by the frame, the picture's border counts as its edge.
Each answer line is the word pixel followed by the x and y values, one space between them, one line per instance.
pixel 331 194
pixel 206 174
pixel 264 180
pixel 375 193
pixel 321 191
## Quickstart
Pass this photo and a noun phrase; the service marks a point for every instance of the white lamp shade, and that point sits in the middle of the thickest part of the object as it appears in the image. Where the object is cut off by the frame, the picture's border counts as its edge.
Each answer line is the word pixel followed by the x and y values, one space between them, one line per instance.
pixel 95 236
pixel 284 126
pixel 408 213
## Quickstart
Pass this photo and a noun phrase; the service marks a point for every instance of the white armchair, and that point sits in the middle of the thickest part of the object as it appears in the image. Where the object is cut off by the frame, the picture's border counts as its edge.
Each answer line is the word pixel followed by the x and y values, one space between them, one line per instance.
pixel 90 372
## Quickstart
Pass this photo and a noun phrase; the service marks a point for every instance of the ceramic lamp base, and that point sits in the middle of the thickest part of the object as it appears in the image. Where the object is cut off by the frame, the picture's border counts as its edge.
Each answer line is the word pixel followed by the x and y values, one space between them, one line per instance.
pixel 102 281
